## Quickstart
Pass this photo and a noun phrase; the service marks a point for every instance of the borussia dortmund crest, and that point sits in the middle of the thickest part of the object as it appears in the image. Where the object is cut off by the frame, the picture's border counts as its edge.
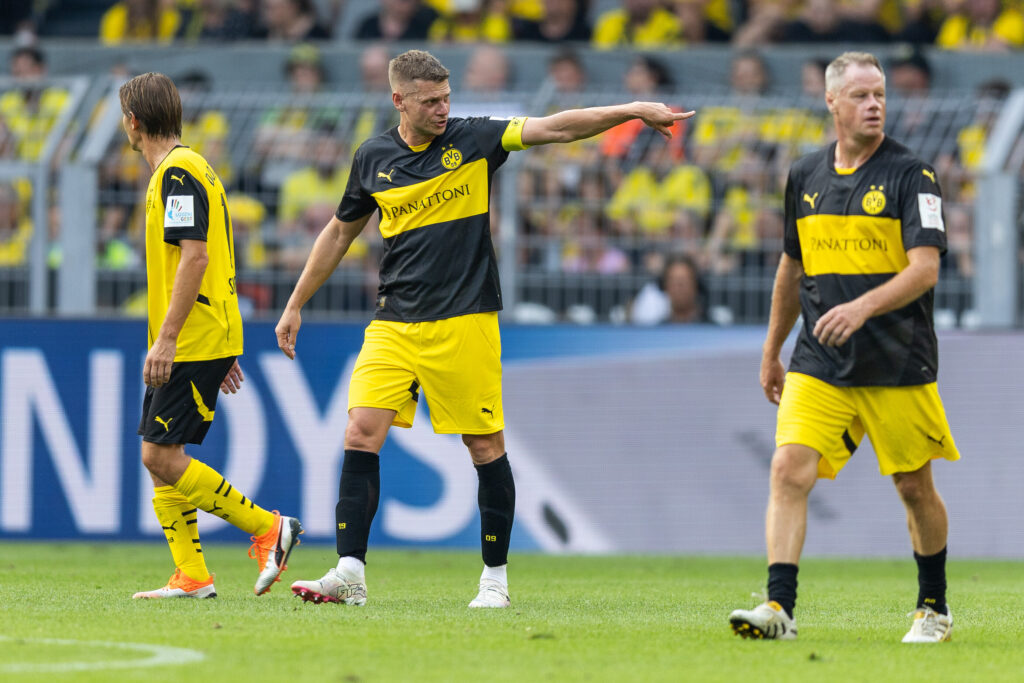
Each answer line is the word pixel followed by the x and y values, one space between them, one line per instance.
pixel 874 201
pixel 451 159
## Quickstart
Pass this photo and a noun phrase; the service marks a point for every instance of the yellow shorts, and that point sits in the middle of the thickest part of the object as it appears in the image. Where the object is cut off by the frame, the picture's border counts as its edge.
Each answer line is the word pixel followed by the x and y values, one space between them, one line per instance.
pixel 907 425
pixel 456 362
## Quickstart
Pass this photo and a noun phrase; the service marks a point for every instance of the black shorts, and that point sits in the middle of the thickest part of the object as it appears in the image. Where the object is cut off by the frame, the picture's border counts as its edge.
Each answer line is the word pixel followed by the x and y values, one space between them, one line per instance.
pixel 181 411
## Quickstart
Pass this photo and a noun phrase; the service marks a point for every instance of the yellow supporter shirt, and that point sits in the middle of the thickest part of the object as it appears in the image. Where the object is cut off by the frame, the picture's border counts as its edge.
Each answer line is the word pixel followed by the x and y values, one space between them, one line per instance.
pixel 305 187
pixel 14 247
pixel 958 33
pixel 662 29
pixel 30 124
pixel 115 29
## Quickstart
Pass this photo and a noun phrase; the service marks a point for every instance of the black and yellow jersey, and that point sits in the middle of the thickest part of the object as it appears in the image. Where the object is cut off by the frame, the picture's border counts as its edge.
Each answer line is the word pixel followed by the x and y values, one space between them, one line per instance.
pixel 185 201
pixel 852 231
pixel 434 203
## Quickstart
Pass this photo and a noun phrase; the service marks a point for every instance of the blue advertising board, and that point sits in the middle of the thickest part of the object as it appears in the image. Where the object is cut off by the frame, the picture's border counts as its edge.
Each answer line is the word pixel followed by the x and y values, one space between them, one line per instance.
pixel 71 392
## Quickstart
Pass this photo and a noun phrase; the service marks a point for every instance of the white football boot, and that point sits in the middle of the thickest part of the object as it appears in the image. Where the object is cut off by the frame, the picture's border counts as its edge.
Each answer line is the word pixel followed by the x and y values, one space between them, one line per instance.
pixel 492 594
pixel 180 586
pixel 929 626
pixel 333 587
pixel 767 621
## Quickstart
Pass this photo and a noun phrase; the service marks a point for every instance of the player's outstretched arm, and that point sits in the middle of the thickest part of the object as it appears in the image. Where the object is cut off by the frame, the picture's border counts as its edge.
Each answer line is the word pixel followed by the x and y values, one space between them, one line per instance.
pixel 577 124
pixel 330 246
pixel 785 311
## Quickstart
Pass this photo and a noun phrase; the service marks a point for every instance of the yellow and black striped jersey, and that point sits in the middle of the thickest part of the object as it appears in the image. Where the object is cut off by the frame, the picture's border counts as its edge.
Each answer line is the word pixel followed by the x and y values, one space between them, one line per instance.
pixel 185 201
pixel 852 231
pixel 434 204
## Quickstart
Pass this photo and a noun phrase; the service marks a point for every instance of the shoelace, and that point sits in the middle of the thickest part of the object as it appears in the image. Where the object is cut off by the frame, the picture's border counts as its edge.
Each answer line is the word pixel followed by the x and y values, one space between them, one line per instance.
pixel 258 552
pixel 493 587
pixel 175 579
pixel 929 623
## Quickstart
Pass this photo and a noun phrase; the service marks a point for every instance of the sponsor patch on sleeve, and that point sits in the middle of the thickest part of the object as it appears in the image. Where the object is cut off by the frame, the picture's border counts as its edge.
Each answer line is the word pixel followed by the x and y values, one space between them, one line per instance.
pixel 180 212
pixel 930 206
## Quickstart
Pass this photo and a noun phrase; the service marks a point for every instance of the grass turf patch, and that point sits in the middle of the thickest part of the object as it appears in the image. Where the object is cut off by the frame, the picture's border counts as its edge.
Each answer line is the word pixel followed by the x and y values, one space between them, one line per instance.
pixel 619 618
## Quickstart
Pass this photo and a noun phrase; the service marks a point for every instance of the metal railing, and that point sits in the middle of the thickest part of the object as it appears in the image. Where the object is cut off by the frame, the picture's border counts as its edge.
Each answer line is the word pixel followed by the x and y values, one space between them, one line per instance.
pixel 580 229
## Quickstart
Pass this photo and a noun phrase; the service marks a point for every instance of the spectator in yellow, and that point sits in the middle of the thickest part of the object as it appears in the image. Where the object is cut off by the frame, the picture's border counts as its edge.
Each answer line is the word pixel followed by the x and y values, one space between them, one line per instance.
pixel 29 110
pixel 472 21
pixel 203 129
pixel 983 25
pixel 15 228
pixel 310 194
pixel 704 21
pixel 372 118
pixel 140 20
pixel 638 23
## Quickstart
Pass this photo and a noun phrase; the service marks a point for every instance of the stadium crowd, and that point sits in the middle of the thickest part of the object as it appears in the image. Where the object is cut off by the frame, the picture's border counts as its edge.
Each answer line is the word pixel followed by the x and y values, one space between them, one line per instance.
pixel 644 24
pixel 621 206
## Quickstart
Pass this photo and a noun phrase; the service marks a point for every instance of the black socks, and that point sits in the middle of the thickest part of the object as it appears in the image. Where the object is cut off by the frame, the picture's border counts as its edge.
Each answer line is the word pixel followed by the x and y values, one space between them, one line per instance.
pixel 358 496
pixel 496 496
pixel 931 581
pixel 782 585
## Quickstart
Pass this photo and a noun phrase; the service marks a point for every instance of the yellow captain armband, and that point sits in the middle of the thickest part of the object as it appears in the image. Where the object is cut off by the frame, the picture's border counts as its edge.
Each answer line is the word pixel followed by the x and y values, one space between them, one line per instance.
pixel 512 138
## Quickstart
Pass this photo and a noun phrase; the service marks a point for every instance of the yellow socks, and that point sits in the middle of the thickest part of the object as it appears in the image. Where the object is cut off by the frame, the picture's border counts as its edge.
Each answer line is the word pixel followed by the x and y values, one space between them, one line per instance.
pixel 178 519
pixel 206 489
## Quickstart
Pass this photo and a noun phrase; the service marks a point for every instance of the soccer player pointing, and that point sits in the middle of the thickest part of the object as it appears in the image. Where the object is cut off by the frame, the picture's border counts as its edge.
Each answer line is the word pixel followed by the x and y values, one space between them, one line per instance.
pixel 436 324
pixel 195 337
pixel 863 236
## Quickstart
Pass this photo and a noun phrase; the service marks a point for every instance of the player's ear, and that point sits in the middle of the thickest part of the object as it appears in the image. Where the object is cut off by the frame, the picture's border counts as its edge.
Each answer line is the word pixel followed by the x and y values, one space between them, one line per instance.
pixel 396 98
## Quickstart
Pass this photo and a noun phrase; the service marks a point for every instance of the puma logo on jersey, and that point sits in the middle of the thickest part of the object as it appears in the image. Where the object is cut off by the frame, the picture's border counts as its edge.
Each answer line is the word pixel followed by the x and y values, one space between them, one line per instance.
pixel 489 412
pixel 811 199
pixel 180 179
pixel 929 174
pixel 166 423
pixel 386 176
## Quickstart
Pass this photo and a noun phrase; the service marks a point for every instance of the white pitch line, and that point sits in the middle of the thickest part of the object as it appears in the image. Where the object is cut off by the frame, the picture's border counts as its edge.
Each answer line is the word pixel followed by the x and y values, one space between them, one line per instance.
pixel 160 655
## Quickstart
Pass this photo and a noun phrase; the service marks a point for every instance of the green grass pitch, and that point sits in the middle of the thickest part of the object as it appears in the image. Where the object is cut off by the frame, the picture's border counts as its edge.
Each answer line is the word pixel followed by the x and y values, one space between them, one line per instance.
pixel 633 618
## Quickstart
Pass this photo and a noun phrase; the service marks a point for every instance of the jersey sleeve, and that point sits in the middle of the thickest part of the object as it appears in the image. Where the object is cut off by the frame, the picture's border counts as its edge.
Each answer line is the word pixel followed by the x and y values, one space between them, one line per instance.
pixel 186 207
pixel 356 202
pixel 791 237
pixel 498 136
pixel 921 215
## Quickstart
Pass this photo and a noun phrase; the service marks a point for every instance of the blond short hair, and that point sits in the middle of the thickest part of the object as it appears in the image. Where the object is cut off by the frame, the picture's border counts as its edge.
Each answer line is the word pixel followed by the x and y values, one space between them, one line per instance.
pixel 415 65
pixel 835 72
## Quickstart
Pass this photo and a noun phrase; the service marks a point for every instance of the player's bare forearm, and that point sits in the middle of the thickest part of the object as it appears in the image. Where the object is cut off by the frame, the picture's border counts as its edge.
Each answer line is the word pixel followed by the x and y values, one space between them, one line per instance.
pixel 838 324
pixel 578 124
pixel 906 286
pixel 785 305
pixel 330 246
pixel 187 281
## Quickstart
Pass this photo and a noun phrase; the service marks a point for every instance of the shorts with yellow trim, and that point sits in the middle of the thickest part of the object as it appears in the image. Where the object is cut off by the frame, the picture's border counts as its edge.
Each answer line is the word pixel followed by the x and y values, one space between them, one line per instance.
pixel 455 361
pixel 907 425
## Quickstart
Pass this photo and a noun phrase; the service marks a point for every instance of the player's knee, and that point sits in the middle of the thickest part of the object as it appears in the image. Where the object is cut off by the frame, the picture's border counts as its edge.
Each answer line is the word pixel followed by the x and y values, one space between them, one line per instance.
pixel 913 490
pixel 484 448
pixel 793 471
pixel 360 436
pixel 155 459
